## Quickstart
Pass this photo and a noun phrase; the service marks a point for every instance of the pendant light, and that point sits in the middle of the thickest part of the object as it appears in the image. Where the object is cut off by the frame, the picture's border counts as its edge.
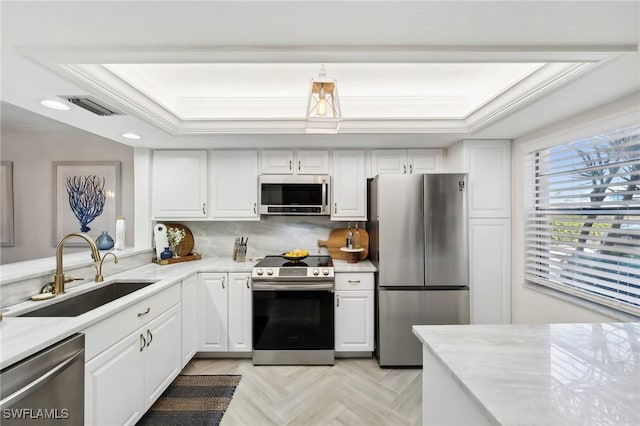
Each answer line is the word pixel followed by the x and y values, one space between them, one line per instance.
pixel 323 107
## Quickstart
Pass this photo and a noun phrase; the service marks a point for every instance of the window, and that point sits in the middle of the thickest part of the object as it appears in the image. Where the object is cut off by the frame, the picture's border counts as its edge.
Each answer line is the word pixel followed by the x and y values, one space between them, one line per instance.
pixel 583 222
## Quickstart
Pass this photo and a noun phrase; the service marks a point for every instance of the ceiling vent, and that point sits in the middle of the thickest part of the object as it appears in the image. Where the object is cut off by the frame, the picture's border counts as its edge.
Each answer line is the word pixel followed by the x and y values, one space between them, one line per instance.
pixel 93 105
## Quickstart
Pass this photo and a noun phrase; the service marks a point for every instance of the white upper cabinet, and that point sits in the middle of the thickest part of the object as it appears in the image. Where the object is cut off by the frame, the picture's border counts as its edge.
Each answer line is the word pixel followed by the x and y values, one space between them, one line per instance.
pixel 388 161
pixel 425 160
pixel 288 162
pixel 179 184
pixel 348 186
pixel 406 161
pixel 234 185
pixel 489 166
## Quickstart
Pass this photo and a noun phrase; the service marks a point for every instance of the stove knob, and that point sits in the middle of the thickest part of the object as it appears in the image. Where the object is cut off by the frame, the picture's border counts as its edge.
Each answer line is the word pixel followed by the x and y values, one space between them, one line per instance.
pixel 315 271
pixel 259 271
pixel 325 271
pixel 269 271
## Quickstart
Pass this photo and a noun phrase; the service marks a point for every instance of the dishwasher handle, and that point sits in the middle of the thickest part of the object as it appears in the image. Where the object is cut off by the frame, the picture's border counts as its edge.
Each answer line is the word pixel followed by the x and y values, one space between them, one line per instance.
pixel 40 381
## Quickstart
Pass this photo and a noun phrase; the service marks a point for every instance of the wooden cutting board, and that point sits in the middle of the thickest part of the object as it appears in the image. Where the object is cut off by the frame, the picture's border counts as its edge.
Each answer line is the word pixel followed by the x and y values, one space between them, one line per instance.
pixel 186 245
pixel 337 239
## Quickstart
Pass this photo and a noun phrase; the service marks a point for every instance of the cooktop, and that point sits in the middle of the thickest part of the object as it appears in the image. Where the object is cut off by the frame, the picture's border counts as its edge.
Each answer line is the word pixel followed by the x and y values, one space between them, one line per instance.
pixel 307 262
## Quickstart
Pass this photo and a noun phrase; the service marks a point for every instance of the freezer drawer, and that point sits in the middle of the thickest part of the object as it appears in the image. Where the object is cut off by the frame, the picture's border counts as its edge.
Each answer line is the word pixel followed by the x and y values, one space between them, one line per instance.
pixel 398 310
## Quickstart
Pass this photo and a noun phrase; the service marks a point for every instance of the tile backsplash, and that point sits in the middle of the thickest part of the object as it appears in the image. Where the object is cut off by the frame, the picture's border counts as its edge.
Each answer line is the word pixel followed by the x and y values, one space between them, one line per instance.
pixel 270 235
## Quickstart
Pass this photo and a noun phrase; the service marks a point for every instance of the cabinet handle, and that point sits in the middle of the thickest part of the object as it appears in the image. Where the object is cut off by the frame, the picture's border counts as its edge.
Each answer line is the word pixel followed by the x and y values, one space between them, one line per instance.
pixel 337 300
pixel 290 165
pixel 203 208
pixel 223 283
pixel 255 208
pixel 335 208
pixel 141 314
pixel 248 282
pixel 149 337
pixel 143 342
pixel 410 168
pixel 404 169
pixel 353 281
pixel 299 165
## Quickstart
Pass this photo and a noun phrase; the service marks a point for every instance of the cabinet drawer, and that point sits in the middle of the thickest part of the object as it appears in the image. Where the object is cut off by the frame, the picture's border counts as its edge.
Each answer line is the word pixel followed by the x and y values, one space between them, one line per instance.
pixel 354 281
pixel 107 332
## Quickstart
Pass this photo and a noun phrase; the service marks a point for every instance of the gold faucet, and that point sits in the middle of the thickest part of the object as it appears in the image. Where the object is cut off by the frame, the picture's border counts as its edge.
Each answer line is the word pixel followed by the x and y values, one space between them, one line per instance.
pixel 59 279
pixel 99 277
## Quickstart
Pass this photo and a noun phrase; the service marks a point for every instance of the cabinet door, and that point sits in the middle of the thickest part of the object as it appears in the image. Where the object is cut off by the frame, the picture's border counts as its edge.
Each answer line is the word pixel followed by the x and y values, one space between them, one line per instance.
pixel 388 161
pixel 179 181
pixel 276 161
pixel 239 312
pixel 354 321
pixel 490 270
pixel 189 304
pixel 234 185
pixel 212 312
pixel 161 354
pixel 312 162
pixel 114 384
pixel 348 186
pixel 424 160
pixel 489 166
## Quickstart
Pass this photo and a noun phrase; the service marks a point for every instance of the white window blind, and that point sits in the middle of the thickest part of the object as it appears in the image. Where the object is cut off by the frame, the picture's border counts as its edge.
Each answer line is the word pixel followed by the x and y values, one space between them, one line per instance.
pixel 583 226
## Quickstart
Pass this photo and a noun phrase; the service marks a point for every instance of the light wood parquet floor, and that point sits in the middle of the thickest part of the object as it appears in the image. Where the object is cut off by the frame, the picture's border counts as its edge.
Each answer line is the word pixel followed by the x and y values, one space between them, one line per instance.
pixel 352 392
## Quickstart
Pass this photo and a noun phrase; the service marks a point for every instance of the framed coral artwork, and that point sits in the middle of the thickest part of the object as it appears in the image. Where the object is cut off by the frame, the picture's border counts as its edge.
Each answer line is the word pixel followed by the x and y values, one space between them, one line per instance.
pixel 86 198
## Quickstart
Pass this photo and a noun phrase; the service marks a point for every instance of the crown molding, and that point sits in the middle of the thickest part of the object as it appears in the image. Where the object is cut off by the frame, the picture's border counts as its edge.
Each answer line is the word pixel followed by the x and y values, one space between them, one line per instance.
pixel 562 65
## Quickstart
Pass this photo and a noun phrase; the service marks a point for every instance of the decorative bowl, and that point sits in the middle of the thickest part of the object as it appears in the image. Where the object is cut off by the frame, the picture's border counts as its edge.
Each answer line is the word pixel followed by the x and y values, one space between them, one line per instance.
pixel 294 258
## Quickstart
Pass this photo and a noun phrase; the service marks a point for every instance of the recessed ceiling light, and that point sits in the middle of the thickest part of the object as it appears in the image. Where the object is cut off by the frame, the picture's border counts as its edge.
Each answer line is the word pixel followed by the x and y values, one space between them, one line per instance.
pixel 55 104
pixel 130 135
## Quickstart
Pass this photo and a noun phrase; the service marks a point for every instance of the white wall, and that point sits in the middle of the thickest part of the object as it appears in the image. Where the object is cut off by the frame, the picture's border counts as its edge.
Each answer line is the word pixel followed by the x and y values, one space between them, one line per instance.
pixel 532 306
pixel 32 154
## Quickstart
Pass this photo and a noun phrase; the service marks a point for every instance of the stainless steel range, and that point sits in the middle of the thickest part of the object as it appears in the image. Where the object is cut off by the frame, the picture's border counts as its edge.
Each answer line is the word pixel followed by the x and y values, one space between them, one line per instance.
pixel 293 316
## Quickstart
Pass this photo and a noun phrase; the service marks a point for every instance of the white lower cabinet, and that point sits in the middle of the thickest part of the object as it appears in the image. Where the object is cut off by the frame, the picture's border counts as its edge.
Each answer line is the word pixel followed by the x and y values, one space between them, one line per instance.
pixel 490 270
pixel 122 382
pixel 212 312
pixel 239 311
pixel 162 354
pixel 354 319
pixel 189 299
pixel 224 312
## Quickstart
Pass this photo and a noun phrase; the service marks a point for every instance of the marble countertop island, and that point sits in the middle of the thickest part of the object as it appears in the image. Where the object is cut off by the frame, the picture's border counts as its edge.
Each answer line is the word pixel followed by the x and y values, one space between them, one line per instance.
pixel 555 374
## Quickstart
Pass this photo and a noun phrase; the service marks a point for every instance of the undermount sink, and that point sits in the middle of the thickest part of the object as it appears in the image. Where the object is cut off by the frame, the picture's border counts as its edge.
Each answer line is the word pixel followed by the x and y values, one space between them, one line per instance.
pixel 82 303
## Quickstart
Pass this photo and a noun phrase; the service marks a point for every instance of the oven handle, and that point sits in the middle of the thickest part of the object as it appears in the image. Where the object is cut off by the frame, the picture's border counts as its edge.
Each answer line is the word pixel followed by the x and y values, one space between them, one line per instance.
pixel 278 286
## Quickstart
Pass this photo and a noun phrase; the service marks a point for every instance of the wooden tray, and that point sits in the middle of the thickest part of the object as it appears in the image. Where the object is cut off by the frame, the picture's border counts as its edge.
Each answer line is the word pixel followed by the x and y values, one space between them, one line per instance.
pixel 187 258
pixel 337 239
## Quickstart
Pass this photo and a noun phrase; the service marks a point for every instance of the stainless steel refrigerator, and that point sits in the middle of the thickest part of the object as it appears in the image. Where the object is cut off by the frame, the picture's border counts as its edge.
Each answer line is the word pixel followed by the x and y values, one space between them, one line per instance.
pixel 418 241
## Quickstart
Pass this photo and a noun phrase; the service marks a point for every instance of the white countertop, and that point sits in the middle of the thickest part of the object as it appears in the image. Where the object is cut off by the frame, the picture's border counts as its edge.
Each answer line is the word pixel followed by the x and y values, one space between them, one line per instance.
pixel 21 337
pixel 360 266
pixel 560 374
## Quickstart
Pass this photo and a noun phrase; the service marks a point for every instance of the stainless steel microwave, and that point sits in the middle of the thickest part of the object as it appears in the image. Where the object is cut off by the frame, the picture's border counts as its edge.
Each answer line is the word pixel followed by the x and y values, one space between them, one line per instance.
pixel 294 194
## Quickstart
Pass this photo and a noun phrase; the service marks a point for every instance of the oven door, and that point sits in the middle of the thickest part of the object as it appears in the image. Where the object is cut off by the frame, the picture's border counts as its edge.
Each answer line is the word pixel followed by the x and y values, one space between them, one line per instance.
pixel 292 323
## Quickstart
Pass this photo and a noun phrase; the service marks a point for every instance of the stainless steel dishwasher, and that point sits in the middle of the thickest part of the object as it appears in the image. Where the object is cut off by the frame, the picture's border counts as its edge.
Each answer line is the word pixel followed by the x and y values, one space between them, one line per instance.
pixel 46 388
